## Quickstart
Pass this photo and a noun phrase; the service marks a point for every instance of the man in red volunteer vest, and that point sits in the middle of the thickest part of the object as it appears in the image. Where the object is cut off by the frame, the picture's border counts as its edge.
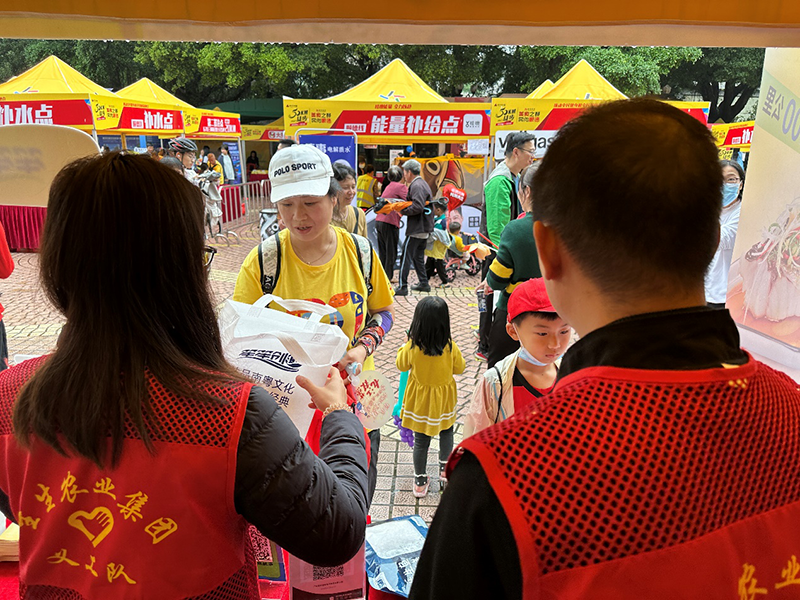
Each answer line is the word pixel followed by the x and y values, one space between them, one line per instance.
pixel 666 461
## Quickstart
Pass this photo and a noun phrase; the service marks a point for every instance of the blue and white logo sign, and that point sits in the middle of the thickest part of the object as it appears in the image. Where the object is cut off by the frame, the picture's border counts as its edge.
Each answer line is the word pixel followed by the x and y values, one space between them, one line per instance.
pixel 337 147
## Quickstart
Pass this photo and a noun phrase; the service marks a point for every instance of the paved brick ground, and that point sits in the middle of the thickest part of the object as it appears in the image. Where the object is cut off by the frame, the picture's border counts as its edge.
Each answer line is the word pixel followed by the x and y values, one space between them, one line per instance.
pixel 33 325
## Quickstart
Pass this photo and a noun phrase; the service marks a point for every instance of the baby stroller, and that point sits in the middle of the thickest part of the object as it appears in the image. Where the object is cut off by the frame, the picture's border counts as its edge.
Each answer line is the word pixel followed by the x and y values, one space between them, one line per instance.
pixel 467 261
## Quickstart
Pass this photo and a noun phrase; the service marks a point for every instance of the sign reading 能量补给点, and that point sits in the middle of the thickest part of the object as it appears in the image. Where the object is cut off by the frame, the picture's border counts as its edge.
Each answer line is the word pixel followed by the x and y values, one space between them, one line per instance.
pixel 391 122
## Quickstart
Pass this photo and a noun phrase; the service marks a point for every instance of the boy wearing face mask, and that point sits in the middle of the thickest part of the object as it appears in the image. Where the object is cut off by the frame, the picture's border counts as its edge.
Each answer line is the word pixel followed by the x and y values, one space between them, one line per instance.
pixel 530 372
pixel 717 276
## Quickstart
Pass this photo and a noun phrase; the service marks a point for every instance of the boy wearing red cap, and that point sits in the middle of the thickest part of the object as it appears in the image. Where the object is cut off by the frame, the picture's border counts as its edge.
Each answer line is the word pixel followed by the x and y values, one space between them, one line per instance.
pixel 530 372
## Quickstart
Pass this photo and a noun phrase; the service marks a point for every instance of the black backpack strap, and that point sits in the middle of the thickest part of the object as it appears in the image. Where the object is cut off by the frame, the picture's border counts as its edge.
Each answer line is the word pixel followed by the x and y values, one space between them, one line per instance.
pixel 269 276
pixel 355 214
pixel 364 253
pixel 500 397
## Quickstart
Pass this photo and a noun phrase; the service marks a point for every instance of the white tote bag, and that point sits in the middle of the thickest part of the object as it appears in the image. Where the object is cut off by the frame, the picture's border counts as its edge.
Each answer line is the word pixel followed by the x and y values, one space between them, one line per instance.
pixel 273 348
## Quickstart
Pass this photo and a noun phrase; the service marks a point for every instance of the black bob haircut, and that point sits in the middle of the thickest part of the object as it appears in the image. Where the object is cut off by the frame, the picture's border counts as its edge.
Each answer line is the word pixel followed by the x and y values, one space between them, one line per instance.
pixel 430 327
pixel 545 316
pixel 634 190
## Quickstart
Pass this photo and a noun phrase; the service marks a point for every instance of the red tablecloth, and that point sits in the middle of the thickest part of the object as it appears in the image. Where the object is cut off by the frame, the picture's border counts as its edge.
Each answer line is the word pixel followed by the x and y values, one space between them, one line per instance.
pixel 257 177
pixel 23 224
pixel 9 581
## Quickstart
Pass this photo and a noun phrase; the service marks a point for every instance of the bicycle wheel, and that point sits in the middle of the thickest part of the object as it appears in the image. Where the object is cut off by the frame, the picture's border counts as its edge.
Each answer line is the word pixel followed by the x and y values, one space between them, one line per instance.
pixel 473 266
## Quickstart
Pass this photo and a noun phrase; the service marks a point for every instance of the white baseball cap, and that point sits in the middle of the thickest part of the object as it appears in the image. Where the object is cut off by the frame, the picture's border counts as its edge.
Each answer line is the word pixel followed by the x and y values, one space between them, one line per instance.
pixel 300 170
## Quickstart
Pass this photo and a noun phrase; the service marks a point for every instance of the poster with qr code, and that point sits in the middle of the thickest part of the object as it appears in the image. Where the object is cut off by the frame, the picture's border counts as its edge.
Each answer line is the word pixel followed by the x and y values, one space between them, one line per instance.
pixel 269 557
pixel 343 582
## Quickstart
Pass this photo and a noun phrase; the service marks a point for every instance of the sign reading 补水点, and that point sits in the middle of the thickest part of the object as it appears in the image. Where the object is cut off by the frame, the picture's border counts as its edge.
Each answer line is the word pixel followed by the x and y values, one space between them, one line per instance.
pixel 337 147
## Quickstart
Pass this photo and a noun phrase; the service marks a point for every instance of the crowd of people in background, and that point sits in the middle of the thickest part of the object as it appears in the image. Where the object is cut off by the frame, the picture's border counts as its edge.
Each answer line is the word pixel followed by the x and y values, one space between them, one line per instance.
pixel 653 445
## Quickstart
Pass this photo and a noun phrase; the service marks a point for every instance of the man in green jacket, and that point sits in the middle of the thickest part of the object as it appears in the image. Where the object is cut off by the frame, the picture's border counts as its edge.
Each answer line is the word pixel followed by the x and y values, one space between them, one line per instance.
pixel 500 206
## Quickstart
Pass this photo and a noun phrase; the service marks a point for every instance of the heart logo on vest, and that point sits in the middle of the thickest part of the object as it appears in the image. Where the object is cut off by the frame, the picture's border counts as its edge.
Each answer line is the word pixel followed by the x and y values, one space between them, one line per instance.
pixel 95 525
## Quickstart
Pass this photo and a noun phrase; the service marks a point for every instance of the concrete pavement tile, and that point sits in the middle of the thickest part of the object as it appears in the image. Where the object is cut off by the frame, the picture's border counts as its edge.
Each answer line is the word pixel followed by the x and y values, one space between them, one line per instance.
pixel 384 483
pixel 403 497
pixel 386 469
pixel 379 513
pixel 427 513
pixel 382 497
pixel 403 511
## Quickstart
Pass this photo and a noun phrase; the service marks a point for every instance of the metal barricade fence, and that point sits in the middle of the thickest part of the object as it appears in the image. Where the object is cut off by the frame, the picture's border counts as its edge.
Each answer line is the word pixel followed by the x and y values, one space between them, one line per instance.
pixel 242 202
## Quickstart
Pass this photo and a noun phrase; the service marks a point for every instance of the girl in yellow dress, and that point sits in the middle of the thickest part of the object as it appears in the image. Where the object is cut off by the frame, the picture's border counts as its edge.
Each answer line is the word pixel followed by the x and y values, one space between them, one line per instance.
pixel 429 404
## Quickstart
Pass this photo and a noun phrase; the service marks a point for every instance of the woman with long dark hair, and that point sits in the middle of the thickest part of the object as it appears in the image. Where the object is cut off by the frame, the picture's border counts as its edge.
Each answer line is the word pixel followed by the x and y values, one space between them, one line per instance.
pixel 135 456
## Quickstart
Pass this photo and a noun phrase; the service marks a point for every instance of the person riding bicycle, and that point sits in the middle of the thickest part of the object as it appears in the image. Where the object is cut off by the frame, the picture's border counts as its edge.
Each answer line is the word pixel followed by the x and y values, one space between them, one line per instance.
pixel 185 150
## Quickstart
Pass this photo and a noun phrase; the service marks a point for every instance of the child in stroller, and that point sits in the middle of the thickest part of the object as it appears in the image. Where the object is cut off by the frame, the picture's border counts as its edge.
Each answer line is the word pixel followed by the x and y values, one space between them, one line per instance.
pixel 456 257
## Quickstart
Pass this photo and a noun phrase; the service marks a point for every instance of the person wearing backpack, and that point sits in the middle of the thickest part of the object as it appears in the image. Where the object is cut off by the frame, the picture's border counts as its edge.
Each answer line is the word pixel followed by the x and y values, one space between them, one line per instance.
pixel 345 215
pixel 312 260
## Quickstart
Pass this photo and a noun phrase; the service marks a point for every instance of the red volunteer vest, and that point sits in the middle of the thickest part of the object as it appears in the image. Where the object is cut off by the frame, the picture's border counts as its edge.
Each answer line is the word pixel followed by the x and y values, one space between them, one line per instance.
pixel 631 484
pixel 158 526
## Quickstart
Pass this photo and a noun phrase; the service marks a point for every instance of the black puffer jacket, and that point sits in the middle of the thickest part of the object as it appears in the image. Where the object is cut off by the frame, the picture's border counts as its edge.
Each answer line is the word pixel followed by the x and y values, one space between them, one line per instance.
pixel 314 507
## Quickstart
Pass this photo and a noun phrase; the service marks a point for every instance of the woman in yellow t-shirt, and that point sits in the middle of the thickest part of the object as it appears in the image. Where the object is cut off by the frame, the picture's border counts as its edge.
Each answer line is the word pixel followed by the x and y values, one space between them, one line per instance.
pixel 320 262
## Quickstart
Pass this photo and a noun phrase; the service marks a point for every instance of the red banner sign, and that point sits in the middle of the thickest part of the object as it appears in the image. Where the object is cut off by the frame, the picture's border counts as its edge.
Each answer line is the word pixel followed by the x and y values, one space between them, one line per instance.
pixel 74 113
pixel 414 123
pixel 734 135
pixel 150 119
pixel 219 125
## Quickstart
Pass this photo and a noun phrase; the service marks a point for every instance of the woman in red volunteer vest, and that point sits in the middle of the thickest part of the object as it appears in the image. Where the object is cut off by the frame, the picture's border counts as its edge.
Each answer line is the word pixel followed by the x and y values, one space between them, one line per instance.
pixel 134 456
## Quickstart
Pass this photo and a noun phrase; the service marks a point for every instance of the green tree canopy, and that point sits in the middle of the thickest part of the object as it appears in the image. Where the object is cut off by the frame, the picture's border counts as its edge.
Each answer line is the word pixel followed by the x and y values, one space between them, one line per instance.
pixel 633 71
pixel 205 73
pixel 735 71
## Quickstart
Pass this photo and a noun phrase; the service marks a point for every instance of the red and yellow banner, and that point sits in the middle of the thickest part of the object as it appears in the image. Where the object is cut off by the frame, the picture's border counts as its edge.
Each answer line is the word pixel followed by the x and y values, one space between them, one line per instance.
pixel 524 114
pixel 734 135
pixel 212 124
pixel 391 122
pixel 23 109
pixel 126 116
pixel 263 133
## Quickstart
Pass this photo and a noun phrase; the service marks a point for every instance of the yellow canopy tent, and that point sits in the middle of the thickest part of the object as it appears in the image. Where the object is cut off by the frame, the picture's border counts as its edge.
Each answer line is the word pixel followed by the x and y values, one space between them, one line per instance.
pixel 53 76
pixel 581 82
pixel 587 22
pixel 543 88
pixel 198 122
pixel 145 90
pixel 395 82
pixel 50 93
pixel 393 106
